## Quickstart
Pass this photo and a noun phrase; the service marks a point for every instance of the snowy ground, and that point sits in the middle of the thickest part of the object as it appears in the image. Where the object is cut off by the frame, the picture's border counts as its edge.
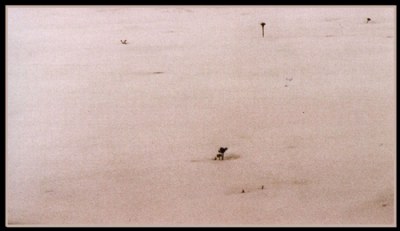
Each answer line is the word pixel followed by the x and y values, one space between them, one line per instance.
pixel 101 133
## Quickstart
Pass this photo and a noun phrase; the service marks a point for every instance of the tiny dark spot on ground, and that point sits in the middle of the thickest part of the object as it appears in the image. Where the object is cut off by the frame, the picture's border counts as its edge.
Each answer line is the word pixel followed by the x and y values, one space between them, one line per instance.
pixel 157 72
pixel 286 85
pixel 384 205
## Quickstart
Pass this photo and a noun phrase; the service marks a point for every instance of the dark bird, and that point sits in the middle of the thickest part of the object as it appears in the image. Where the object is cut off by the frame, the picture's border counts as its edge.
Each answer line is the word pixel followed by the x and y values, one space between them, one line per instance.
pixel 123 42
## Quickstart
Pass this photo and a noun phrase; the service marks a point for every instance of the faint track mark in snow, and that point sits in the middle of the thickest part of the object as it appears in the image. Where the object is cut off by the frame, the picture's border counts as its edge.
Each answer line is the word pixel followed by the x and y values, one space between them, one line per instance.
pixel 232 157
pixel 227 157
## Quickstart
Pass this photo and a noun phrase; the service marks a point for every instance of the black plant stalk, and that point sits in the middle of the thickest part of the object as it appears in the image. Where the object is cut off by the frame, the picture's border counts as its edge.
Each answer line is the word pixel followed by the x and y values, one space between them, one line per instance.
pixel 262 25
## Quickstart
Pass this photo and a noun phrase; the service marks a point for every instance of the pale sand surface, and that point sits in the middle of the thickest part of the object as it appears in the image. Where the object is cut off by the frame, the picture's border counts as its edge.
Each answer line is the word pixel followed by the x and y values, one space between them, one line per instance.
pixel 101 133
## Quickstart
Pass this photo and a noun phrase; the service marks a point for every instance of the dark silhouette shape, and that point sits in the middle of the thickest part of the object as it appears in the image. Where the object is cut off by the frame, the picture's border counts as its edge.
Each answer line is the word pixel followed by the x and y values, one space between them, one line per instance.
pixel 262 25
pixel 368 20
pixel 262 187
pixel 242 190
pixel 123 42
pixel 221 151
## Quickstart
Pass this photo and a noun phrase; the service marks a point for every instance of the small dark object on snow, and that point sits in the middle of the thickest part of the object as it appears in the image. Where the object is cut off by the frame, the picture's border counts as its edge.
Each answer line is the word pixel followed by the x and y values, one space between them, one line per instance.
pixel 123 42
pixel 220 155
pixel 262 187
pixel 222 150
pixel 262 25
pixel 242 190
pixel 368 20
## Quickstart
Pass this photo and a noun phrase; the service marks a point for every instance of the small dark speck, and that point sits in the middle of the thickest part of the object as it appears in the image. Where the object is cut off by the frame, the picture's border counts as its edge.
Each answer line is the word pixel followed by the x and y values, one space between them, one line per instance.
pixel 384 205
pixel 286 85
pixel 303 112
pixel 158 72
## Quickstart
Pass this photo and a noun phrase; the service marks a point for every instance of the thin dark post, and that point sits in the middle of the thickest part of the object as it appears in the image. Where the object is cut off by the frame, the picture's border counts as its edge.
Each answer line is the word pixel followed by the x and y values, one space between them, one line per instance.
pixel 262 25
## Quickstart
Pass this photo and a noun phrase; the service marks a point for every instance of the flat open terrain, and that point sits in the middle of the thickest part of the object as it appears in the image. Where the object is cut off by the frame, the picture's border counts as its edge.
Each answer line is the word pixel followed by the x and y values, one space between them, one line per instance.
pixel 102 133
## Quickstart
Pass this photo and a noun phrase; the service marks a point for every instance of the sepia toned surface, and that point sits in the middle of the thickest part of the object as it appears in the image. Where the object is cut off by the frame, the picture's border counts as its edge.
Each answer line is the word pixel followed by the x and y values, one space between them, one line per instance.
pixel 105 133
